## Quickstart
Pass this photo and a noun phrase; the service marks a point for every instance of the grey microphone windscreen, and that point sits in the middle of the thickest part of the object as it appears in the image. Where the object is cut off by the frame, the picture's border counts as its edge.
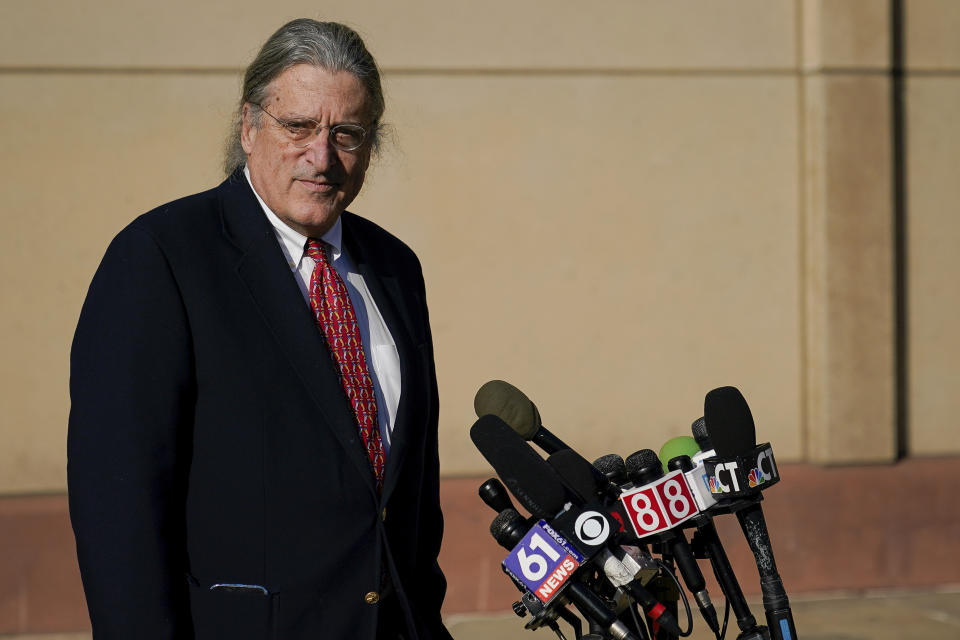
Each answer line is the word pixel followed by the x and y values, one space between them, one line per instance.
pixel 643 459
pixel 505 527
pixel 610 465
pixel 511 405
pixel 699 429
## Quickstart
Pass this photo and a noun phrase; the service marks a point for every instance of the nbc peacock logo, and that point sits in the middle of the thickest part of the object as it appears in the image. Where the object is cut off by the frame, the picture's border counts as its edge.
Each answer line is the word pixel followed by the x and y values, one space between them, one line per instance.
pixel 714 486
pixel 756 478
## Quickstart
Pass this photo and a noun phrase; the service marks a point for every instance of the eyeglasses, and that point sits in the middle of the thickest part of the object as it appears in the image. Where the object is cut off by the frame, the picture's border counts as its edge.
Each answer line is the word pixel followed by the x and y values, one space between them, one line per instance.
pixel 303 131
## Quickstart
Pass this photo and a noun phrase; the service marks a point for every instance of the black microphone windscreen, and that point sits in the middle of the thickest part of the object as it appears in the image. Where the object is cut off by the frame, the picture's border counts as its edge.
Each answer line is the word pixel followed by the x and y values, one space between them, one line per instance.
pixel 508 403
pixel 532 481
pixel 729 421
pixel 699 429
pixel 577 473
pixel 505 527
pixel 643 460
pixel 610 465
pixel 494 495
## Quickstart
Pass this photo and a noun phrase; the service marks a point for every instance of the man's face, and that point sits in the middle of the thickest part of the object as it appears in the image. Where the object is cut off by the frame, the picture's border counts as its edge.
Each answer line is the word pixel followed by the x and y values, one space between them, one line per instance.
pixel 309 187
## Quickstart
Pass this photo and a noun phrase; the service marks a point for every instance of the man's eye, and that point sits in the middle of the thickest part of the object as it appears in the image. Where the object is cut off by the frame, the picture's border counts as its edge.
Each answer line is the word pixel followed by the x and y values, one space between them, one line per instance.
pixel 348 138
pixel 299 129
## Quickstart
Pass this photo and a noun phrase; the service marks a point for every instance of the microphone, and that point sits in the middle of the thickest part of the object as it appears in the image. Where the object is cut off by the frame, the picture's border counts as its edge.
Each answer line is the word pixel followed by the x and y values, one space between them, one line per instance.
pixel 529 478
pixel 533 561
pixel 707 533
pixel 685 446
pixel 542 562
pixel 707 536
pixel 578 475
pixel 731 427
pixel 612 466
pixel 508 528
pixel 722 570
pixel 728 420
pixel 511 405
pixel 700 434
pixel 657 502
pixel 742 475
pixel 581 476
pixel 644 467
pixel 494 495
pixel 736 467
pixel 679 446
pixel 699 429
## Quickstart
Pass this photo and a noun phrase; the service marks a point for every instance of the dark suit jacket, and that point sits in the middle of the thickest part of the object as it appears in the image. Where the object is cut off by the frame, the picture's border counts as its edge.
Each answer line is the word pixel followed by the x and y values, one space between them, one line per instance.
pixel 210 440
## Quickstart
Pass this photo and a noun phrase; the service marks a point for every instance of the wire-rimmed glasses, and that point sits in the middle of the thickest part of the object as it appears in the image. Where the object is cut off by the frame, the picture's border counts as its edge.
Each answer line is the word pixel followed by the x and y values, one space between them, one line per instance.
pixel 303 131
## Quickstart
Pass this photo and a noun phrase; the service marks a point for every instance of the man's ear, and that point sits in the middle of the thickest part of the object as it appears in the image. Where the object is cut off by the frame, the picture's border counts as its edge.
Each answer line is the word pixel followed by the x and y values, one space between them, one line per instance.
pixel 248 132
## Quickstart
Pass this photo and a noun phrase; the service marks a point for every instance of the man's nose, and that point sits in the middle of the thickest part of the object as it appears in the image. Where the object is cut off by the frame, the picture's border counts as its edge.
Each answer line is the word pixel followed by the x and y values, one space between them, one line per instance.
pixel 320 152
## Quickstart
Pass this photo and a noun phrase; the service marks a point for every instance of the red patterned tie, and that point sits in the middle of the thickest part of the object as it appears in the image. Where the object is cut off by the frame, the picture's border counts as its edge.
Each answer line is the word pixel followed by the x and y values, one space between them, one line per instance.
pixel 336 320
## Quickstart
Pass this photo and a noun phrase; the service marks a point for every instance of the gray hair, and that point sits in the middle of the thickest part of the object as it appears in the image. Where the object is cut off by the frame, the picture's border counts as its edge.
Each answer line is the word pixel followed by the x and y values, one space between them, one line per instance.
pixel 328 45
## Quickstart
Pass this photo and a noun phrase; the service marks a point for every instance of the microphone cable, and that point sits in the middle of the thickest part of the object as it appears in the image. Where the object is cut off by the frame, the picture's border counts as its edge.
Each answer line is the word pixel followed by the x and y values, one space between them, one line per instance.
pixel 683 596
pixel 726 619
pixel 638 623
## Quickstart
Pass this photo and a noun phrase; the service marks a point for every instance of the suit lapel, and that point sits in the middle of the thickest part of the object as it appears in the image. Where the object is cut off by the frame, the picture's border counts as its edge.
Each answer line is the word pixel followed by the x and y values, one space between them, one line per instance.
pixel 264 271
pixel 385 287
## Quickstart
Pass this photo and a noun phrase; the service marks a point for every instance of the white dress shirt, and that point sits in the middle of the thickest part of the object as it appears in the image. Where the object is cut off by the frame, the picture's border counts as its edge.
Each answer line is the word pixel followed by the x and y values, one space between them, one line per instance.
pixel 378 345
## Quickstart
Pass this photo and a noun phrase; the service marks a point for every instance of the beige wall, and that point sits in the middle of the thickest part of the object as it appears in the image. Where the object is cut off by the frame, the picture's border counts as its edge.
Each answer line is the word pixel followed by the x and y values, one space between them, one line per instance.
pixel 617 209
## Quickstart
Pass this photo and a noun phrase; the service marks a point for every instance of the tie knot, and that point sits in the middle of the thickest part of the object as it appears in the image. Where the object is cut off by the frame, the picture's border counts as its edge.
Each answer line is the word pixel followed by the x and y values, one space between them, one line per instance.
pixel 316 249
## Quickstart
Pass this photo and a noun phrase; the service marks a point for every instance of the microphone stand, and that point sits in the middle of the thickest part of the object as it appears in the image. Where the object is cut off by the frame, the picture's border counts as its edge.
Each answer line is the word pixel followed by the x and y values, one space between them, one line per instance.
pixel 776 605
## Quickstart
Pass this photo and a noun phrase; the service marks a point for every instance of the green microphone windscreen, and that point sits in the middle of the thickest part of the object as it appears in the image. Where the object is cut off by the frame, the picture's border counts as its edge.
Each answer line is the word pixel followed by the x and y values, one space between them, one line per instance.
pixel 679 446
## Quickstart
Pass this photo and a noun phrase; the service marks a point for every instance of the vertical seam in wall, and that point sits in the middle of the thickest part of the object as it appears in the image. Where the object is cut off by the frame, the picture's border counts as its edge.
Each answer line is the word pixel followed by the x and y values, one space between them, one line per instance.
pixel 898 195
pixel 801 229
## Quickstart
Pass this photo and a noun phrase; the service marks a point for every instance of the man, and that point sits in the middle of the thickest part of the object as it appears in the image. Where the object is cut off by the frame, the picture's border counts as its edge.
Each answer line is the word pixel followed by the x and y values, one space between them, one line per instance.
pixel 253 431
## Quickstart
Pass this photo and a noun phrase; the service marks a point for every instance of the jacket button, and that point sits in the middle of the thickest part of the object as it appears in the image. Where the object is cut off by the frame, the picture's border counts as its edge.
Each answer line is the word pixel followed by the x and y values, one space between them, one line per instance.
pixel 372 597
pixel 383 514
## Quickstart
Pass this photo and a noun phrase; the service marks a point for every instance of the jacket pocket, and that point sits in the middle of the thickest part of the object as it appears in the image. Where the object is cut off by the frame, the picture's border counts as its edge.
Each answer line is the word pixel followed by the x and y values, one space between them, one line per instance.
pixel 229 611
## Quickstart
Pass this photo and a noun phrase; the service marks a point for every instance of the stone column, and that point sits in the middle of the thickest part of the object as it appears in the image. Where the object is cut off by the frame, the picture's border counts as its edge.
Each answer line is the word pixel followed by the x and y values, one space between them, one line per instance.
pixel 848 232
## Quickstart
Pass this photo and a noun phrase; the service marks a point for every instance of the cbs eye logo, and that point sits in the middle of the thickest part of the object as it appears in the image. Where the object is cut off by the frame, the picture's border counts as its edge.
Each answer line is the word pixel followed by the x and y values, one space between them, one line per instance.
pixel 592 528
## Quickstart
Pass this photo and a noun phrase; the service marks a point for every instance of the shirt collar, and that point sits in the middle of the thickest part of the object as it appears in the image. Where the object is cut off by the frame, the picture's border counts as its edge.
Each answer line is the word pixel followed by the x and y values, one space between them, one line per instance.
pixel 293 242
